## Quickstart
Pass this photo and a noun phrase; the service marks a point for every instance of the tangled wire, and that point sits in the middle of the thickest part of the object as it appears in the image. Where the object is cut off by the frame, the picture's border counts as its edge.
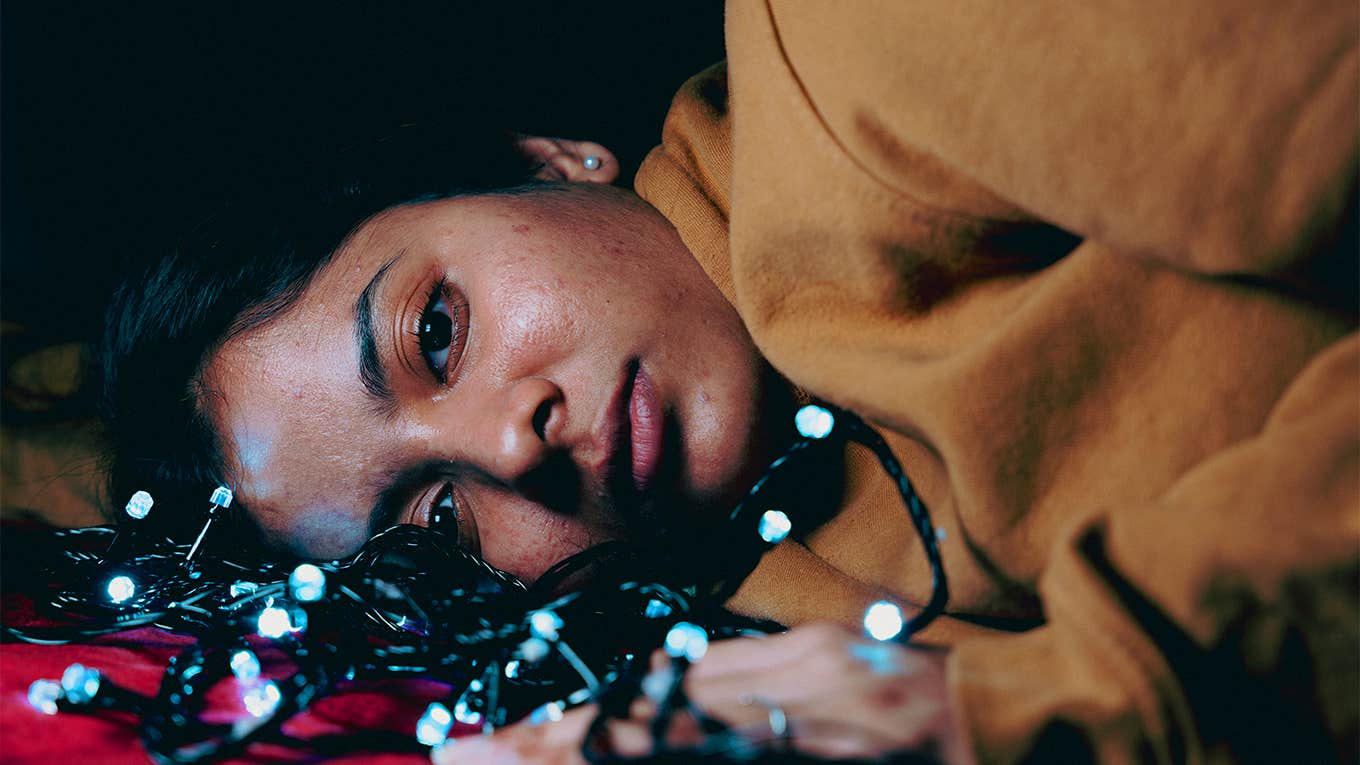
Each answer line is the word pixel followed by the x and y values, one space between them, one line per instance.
pixel 429 610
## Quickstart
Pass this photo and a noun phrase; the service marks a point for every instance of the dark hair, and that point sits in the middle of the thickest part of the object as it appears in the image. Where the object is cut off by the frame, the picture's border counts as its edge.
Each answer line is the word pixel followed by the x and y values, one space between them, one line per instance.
pixel 244 264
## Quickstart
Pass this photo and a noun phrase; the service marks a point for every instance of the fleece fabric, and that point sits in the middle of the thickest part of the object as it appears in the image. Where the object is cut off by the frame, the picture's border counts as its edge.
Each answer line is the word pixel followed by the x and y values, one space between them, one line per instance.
pixel 1086 268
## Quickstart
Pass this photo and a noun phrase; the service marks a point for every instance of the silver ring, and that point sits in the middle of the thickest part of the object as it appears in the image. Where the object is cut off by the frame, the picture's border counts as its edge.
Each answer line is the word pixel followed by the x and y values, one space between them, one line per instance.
pixel 778 720
pixel 591 162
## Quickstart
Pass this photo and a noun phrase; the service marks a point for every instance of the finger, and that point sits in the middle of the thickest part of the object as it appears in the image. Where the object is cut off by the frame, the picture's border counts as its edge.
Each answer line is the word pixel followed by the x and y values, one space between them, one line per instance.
pixel 842 678
pixel 758 653
pixel 551 743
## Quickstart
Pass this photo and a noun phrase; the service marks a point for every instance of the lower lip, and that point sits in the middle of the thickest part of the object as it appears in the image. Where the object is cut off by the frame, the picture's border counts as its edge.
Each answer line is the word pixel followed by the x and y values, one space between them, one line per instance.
pixel 647 422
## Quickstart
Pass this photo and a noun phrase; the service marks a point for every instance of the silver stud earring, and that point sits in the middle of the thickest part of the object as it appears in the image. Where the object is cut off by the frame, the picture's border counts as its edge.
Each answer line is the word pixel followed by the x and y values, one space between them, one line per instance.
pixel 591 163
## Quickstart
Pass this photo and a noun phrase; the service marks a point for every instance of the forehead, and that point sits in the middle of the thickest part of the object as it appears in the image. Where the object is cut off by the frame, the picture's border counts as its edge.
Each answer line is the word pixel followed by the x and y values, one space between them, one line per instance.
pixel 286 400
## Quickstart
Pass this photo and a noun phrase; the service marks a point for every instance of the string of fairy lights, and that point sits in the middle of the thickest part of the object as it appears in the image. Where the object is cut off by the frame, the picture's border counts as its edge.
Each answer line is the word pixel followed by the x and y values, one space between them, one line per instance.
pixel 283 632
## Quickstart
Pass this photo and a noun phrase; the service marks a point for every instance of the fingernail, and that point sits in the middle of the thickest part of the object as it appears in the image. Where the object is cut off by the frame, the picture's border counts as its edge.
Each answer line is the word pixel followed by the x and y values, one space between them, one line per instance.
pixel 657 684
pixel 443 754
pixel 467 749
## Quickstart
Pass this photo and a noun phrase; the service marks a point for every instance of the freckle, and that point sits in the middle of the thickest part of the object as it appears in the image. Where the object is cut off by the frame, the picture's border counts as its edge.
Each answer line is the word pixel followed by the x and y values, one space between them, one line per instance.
pixel 522 229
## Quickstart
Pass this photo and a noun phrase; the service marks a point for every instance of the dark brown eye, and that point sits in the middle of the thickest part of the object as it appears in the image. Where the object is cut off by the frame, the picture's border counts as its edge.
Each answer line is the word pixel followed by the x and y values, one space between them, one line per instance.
pixel 437 332
pixel 444 512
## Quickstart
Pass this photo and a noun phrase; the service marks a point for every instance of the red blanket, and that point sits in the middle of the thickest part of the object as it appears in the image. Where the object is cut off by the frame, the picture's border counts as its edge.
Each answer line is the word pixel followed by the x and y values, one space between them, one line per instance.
pixel 136 660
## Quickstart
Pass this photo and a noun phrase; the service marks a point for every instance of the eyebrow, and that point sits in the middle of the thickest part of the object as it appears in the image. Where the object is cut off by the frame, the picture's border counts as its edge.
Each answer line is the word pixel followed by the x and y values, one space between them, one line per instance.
pixel 371 372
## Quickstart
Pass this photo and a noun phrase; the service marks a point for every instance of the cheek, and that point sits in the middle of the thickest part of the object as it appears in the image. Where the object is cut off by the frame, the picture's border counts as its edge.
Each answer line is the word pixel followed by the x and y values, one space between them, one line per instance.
pixel 538 313
pixel 533 313
pixel 326 532
pixel 525 539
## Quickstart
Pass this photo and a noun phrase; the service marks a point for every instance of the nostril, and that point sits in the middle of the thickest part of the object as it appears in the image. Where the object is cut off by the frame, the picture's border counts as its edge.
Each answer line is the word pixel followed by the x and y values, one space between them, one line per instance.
pixel 541 415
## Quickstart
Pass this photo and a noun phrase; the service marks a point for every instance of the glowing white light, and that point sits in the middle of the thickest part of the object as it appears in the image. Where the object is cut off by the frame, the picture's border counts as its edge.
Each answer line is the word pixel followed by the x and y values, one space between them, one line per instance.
pixel 883 621
pixel 512 669
pixel 550 712
pixel 243 588
pixel 121 588
pixel 545 624
pixel 245 666
pixel 465 714
pixel 80 683
pixel 656 609
pixel 307 583
pixel 687 640
pixel 43 695
pixel 261 700
pixel 814 421
pixel 274 623
pixel 433 727
pixel 139 505
pixel 221 497
pixel 533 650
pixel 774 526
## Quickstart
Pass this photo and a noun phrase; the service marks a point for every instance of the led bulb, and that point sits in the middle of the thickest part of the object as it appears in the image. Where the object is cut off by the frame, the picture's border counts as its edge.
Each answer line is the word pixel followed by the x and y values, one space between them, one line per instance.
pixel 274 623
pixel 656 609
pixel 221 497
pixel 774 526
pixel 545 624
pixel 242 588
pixel 883 620
pixel 814 421
pixel 307 583
pixel 245 666
pixel 687 640
pixel 261 700
pixel 465 714
pixel 534 650
pixel 121 588
pixel 433 727
pixel 80 683
pixel 43 696
pixel 139 505
pixel 550 712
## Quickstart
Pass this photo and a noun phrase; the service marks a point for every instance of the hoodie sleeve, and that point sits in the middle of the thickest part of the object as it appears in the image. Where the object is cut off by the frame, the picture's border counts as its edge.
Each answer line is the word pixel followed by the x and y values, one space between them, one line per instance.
pixel 1170 639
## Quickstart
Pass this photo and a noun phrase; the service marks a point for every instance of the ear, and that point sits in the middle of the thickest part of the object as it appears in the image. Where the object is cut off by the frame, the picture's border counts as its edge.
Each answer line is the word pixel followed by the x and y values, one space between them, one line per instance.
pixel 560 159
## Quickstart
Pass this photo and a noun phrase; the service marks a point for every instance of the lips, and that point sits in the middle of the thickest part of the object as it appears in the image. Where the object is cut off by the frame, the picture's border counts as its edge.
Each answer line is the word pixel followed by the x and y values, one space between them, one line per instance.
pixel 636 427
pixel 646 427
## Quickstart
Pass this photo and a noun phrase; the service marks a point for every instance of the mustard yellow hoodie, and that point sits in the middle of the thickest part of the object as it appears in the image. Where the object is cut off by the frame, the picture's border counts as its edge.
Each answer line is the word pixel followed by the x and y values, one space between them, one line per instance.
pixel 1072 259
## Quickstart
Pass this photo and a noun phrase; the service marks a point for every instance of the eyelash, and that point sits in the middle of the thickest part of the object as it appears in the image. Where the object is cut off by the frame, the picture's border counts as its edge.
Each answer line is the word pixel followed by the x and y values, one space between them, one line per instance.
pixel 440 292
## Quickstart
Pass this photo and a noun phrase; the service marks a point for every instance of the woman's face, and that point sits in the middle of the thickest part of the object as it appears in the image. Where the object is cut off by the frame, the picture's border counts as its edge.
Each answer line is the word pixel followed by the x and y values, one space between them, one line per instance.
pixel 550 369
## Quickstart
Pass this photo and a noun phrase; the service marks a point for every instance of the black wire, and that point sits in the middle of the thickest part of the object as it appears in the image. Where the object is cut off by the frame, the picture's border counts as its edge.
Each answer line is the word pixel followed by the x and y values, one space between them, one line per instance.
pixel 423 607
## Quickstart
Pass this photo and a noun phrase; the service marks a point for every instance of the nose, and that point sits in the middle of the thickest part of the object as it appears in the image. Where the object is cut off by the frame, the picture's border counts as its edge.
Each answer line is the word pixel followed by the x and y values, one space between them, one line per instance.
pixel 518 429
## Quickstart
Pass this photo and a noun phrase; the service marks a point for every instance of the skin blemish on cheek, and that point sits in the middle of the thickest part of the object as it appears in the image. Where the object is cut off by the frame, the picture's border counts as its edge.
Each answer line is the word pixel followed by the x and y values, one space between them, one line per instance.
pixel 523 229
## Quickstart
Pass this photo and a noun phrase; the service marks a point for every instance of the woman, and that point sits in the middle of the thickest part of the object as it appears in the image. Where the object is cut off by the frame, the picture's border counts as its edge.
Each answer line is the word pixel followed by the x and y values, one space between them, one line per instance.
pixel 1095 309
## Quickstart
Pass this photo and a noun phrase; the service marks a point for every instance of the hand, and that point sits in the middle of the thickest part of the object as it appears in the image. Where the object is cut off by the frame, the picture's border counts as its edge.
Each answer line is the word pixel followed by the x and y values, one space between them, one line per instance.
pixel 841 694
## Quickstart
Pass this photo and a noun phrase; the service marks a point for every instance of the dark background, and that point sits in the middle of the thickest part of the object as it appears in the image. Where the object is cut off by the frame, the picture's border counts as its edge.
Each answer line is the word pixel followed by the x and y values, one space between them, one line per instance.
pixel 122 123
